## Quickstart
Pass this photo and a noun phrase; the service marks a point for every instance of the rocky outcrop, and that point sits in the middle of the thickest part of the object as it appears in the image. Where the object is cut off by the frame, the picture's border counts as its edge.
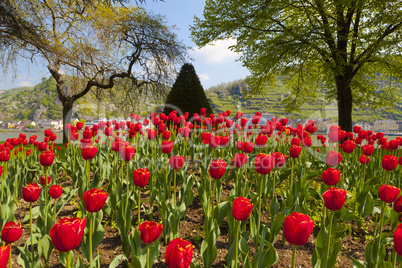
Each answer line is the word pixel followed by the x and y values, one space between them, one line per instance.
pixel 38 112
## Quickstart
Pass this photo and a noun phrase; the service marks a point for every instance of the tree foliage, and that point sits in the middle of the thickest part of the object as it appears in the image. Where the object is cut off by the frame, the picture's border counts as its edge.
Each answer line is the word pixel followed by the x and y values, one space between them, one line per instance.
pixel 344 46
pixel 187 93
pixel 93 41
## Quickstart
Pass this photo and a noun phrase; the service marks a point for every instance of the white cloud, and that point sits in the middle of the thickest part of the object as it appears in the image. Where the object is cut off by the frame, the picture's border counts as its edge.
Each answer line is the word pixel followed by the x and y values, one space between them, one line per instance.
pixel 204 77
pixel 25 84
pixel 217 52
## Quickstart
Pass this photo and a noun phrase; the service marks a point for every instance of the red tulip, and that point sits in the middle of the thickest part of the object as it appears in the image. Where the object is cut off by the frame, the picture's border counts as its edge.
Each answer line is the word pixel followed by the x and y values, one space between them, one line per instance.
pixel 356 129
pixel 46 158
pixel 4 154
pixel 67 233
pixel 348 146
pixel 398 204
pixel 389 162
pixel 295 141
pixel 176 161
pixel 368 149
pixel 42 146
pixel 239 145
pixel 331 176
pixel 242 208
pixel 11 232
pixel 306 142
pixel 280 159
pixel 398 239
pixel 334 198
pixel 333 158
pixel 55 191
pixel 248 147
pixel 217 169
pixel 388 193
pixel 223 141
pixel 141 177
pixel 152 133
pixel 167 146
pixel 297 228
pixel 89 151
pixel 261 140
pixel 127 152
pixel 295 151
pixel 400 161
pixel 31 192
pixel 1 170
pixel 150 231
pixel 166 135
pixel 240 160
pixel 264 163
pixel 4 255
pixel 94 200
pixel 364 159
pixel 179 253
pixel 79 125
pixel 43 179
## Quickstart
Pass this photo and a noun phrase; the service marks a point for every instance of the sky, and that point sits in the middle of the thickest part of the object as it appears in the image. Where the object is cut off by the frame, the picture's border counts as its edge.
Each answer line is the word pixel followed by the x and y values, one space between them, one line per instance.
pixel 214 64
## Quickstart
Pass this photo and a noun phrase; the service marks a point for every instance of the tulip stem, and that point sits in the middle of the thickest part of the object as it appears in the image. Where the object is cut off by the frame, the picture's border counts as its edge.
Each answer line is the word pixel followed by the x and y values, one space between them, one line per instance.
pixel 139 206
pixel 329 237
pixel 30 226
pixel 261 182
pixel 237 184
pixel 380 228
pixel 213 198
pixel 127 186
pixel 237 243
pixel 394 258
pixel 291 177
pixel 90 239
pixel 2 179
pixel 9 259
pixel 87 167
pixel 68 260
pixel 55 212
pixel 294 256
pixel 174 190
pixel 148 260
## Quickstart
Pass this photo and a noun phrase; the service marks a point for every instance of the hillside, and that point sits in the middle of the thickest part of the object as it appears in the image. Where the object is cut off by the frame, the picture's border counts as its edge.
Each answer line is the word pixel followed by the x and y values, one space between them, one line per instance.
pixel 229 96
pixel 41 102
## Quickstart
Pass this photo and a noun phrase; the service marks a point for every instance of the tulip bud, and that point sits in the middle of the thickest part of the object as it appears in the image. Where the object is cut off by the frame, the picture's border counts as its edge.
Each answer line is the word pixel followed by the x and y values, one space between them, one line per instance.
pixel 334 198
pixel 150 231
pixel 297 228
pixel 242 208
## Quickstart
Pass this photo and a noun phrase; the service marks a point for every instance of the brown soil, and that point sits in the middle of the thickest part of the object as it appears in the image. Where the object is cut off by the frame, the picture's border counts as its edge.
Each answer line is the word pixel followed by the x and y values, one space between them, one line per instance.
pixel 191 230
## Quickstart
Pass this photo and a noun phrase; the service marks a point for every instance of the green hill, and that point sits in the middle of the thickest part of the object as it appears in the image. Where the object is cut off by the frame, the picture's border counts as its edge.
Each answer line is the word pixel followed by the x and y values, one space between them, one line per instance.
pixel 231 96
pixel 41 101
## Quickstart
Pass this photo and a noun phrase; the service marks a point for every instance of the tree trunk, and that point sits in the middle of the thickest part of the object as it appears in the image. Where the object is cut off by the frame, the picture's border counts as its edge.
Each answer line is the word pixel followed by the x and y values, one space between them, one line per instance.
pixel 67 112
pixel 345 102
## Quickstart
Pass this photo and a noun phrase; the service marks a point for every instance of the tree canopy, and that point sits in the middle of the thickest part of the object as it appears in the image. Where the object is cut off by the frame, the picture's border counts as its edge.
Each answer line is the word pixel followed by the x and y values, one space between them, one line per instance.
pixel 187 93
pixel 95 42
pixel 350 49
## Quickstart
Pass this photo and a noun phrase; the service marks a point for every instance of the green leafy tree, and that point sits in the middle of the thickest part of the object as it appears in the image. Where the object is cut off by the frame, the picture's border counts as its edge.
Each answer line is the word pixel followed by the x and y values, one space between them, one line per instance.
pixel 187 93
pixel 89 45
pixel 346 47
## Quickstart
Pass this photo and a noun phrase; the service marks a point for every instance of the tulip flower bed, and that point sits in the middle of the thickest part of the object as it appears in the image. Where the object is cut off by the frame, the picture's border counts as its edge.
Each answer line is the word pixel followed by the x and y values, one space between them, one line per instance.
pixel 173 191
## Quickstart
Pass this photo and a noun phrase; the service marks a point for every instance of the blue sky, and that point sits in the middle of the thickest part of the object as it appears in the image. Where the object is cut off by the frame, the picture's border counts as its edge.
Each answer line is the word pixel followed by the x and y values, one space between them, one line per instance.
pixel 214 64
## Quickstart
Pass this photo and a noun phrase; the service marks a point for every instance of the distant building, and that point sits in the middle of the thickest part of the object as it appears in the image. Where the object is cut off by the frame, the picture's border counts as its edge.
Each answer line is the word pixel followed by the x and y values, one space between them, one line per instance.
pixel 399 123
pixel 364 125
pixel 4 125
pixel 385 125
pixel 47 123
